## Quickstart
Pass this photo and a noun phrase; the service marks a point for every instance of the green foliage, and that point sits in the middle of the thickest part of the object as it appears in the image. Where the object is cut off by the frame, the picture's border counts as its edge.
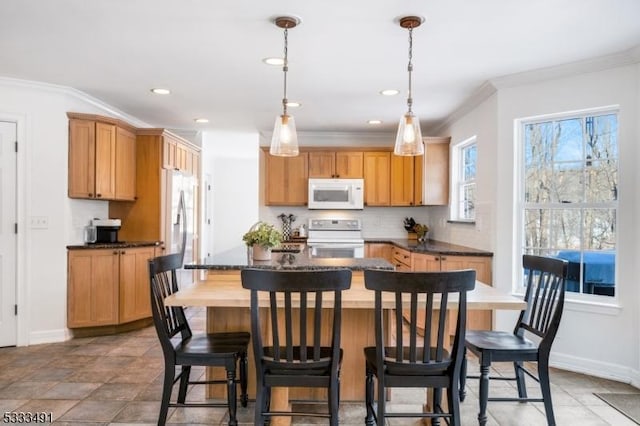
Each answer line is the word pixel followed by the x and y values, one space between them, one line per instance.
pixel 420 229
pixel 264 235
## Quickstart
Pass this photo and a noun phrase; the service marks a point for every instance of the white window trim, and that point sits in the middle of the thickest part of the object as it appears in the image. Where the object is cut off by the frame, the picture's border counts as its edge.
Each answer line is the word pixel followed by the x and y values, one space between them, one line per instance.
pixel 456 167
pixel 577 301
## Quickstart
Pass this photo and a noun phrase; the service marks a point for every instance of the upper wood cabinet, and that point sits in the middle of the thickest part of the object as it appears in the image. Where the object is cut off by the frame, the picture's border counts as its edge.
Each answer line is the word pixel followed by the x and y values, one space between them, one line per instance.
pixel 125 165
pixel 147 218
pixel 402 180
pixel 434 172
pixel 178 156
pixel 340 164
pixel 287 180
pixel 102 160
pixel 377 178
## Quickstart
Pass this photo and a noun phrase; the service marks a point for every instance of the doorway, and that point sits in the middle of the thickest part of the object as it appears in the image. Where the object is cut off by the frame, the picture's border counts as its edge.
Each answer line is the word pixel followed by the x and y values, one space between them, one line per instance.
pixel 8 235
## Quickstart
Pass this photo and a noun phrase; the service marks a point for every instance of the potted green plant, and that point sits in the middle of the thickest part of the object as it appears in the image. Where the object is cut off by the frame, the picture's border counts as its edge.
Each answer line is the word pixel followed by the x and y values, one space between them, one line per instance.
pixel 262 237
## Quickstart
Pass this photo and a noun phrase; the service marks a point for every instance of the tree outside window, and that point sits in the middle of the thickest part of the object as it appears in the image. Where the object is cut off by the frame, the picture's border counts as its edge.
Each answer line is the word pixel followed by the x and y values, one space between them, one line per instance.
pixel 570 192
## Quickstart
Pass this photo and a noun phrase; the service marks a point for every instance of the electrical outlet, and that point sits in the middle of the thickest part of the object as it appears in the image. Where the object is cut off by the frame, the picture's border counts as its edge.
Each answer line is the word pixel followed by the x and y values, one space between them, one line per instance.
pixel 39 222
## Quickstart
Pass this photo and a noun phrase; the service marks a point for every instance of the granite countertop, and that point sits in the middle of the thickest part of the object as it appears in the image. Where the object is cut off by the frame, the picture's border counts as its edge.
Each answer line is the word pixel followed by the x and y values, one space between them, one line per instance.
pixel 431 247
pixel 123 244
pixel 238 258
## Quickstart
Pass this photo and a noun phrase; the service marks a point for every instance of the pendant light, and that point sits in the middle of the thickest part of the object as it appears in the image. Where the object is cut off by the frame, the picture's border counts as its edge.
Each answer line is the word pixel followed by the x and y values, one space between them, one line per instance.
pixel 284 142
pixel 409 137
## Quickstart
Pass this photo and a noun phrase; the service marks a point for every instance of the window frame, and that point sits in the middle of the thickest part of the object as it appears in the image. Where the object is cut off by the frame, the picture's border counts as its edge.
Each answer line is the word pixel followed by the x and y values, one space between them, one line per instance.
pixel 521 205
pixel 458 182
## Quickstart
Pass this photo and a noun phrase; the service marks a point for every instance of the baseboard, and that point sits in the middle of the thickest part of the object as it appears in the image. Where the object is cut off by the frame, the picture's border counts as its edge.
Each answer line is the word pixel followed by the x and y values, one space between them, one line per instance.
pixel 49 336
pixel 604 370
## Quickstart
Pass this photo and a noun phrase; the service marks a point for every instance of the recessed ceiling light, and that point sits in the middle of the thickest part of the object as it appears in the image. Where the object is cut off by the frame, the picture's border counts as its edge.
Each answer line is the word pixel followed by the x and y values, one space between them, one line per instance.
pixel 201 120
pixel 389 92
pixel 294 104
pixel 160 91
pixel 374 121
pixel 273 61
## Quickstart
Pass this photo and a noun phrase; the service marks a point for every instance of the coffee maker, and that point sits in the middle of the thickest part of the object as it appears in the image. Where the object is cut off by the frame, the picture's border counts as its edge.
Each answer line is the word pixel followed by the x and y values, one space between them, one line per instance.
pixel 107 230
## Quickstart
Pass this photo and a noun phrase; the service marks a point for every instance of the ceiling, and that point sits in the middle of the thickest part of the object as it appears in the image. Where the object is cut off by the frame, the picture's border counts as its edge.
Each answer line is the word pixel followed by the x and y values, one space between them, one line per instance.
pixel 209 53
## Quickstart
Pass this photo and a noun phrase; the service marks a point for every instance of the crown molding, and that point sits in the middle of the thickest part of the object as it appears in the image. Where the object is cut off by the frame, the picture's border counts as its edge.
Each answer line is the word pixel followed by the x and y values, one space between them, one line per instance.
pixel 484 92
pixel 488 88
pixel 74 93
pixel 618 59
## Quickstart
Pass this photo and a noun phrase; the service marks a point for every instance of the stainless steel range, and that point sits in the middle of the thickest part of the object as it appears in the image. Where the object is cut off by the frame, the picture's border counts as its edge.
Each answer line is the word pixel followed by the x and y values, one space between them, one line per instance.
pixel 335 238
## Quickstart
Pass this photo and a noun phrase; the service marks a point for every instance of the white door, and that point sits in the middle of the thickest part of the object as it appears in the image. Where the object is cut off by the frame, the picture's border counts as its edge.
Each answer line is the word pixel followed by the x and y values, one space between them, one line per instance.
pixel 8 237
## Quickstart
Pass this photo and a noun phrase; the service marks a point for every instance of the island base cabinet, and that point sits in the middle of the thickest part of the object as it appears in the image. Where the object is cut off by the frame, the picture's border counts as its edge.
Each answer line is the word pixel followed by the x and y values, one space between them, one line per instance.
pixel 108 287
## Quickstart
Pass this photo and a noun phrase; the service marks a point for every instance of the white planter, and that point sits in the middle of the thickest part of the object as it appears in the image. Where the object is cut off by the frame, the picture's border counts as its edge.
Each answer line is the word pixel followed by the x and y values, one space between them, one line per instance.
pixel 261 253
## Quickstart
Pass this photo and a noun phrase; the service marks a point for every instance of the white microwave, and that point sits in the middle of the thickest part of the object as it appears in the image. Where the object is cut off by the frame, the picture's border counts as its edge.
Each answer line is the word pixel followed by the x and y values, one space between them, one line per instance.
pixel 336 194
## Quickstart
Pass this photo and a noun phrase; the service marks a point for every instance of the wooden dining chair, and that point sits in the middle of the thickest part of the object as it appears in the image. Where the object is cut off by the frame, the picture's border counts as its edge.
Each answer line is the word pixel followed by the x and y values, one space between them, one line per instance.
pixel 181 347
pixel 302 346
pixel 545 289
pixel 415 360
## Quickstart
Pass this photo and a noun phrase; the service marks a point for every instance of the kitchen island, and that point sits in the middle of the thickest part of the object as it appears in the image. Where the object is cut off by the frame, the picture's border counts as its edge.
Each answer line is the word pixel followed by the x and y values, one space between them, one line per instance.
pixel 228 307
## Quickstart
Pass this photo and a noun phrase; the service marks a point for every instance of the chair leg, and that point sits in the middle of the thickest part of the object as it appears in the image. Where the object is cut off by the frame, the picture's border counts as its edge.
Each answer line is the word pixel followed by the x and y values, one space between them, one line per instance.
pixel 380 408
pixel 169 373
pixel 244 398
pixel 184 383
pixel 262 403
pixel 334 402
pixel 543 375
pixel 437 404
pixel 520 379
pixel 484 393
pixel 463 375
pixel 231 396
pixel 454 404
pixel 368 391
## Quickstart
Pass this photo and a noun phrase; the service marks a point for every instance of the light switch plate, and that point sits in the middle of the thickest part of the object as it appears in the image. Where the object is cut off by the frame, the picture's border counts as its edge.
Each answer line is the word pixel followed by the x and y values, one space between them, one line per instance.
pixel 39 222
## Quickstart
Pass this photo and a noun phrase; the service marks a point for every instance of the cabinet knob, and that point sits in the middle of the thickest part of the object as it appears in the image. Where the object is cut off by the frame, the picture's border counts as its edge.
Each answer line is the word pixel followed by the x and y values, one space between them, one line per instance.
pixel 115 252
pixel 122 252
pixel 90 194
pixel 98 195
pixel 443 258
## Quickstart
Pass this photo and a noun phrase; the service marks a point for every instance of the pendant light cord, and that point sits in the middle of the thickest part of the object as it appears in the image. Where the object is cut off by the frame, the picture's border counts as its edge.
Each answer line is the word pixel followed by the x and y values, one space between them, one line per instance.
pixel 410 67
pixel 285 68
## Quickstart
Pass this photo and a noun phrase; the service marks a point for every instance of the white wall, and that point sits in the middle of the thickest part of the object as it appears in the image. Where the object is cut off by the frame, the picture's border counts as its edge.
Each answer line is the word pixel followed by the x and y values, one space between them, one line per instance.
pixel 231 159
pixel 598 340
pixel 40 111
pixel 482 123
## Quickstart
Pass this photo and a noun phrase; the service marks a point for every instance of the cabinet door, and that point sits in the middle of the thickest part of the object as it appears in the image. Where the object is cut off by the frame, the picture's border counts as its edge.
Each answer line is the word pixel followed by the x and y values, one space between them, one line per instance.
pixel 105 161
pixel 322 164
pixel 377 169
pixel 169 153
pixel 287 180
pixel 379 250
pixel 92 289
pixel 401 259
pixel 402 175
pixel 425 262
pixel 349 165
pixel 476 319
pixel 82 159
pixel 135 298
pixel 125 165
pixel 436 172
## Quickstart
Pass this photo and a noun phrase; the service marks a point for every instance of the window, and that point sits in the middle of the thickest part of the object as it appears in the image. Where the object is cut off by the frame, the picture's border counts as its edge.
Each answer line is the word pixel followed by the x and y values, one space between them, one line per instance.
pixel 569 195
pixel 465 160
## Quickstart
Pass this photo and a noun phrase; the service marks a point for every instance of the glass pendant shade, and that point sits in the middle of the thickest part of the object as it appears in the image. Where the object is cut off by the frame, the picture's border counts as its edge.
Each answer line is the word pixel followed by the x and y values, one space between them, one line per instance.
pixel 284 142
pixel 409 137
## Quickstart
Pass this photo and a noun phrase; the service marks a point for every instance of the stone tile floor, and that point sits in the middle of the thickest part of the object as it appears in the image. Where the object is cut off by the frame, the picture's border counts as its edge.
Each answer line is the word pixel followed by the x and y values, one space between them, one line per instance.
pixel 116 380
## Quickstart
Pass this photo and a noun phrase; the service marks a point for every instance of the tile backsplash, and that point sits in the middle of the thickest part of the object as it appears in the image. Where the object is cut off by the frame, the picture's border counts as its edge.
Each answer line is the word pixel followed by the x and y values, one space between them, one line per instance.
pixel 383 222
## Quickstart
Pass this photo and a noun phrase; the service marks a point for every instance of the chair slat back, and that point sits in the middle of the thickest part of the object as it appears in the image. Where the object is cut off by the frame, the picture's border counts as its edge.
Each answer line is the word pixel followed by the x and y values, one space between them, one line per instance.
pixel 296 297
pixel 545 281
pixel 168 320
pixel 423 291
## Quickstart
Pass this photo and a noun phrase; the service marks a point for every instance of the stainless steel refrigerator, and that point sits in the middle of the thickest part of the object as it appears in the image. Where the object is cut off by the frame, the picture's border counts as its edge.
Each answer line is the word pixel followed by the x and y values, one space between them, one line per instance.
pixel 182 224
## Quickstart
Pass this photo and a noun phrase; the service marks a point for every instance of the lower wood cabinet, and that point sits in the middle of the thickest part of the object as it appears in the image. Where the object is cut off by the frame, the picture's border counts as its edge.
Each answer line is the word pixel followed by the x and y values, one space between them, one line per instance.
pixel 108 286
pixel 379 250
pixel 476 319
